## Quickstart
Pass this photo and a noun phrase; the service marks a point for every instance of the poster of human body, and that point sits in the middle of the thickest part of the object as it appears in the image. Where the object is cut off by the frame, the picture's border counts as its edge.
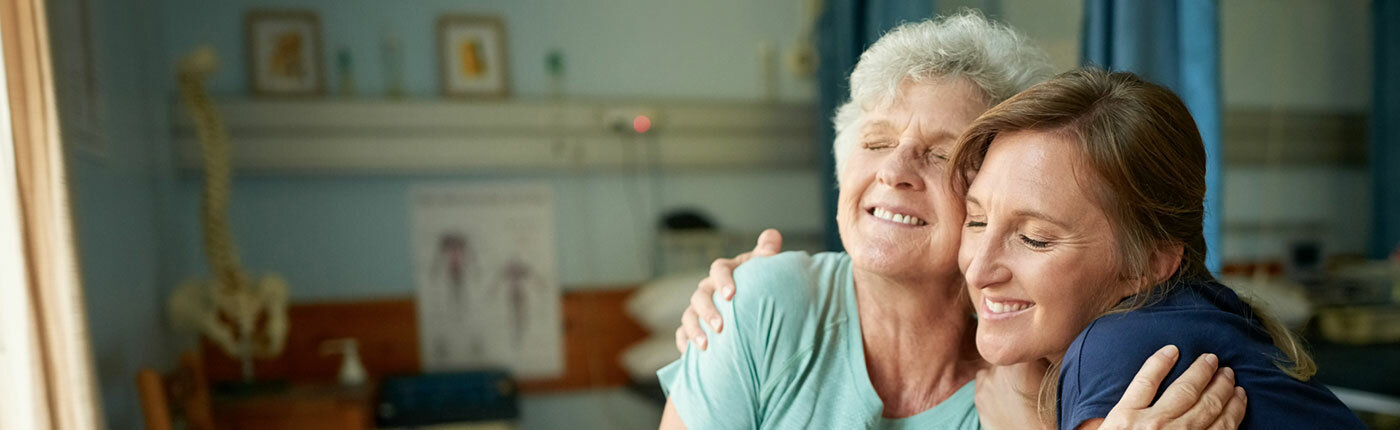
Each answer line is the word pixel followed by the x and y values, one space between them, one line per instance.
pixel 488 288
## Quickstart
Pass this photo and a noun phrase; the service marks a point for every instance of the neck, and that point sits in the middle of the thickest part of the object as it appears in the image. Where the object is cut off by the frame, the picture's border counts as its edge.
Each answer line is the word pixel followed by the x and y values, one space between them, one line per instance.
pixel 919 340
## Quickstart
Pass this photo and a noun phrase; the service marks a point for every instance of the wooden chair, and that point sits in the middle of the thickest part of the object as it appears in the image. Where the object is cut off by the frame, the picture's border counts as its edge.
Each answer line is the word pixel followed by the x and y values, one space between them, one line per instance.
pixel 181 396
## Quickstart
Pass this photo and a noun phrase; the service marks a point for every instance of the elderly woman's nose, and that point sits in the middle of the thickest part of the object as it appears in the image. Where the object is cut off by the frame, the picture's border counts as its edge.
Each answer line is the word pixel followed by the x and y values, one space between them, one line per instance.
pixel 984 268
pixel 902 168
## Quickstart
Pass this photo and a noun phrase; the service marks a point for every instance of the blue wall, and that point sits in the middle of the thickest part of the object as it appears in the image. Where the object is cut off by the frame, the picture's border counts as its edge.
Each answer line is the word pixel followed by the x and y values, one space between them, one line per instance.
pixel 117 195
pixel 614 48
pixel 338 236
pixel 347 236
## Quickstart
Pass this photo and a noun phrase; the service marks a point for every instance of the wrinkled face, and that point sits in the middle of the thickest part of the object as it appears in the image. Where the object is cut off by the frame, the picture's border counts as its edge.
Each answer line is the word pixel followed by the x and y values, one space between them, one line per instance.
pixel 1037 250
pixel 897 216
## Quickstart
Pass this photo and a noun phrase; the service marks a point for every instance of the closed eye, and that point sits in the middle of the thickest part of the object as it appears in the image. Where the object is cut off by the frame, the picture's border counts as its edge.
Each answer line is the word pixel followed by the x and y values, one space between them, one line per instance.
pixel 876 144
pixel 975 224
pixel 1037 244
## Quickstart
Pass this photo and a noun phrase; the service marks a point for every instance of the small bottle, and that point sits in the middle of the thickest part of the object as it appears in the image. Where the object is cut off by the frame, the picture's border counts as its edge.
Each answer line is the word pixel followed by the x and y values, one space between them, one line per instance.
pixel 344 64
pixel 352 371
pixel 554 64
pixel 393 66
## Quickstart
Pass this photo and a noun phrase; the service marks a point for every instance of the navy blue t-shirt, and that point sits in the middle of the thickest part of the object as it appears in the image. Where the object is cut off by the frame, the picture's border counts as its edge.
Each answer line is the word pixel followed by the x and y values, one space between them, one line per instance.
pixel 1198 318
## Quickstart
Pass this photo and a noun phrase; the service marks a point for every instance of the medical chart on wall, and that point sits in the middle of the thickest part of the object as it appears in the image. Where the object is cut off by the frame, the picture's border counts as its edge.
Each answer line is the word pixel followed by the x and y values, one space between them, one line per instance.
pixel 488 285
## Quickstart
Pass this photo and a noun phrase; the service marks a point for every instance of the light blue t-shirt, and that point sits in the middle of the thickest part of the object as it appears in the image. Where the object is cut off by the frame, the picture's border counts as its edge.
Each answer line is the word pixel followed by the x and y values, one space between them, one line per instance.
pixel 791 357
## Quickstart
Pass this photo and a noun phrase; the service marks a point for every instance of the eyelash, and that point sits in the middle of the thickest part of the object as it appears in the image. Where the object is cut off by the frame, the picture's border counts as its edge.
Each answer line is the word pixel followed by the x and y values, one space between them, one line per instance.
pixel 1037 244
pixel 875 145
pixel 885 145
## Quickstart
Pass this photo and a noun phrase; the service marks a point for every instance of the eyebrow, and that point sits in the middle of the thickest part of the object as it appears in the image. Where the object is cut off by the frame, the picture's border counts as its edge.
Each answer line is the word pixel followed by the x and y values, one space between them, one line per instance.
pixel 879 126
pixel 942 136
pixel 1027 213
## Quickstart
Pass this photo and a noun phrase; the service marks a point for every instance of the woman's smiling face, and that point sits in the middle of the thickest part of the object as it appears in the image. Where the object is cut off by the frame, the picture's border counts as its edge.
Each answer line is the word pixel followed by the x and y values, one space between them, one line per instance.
pixel 897 215
pixel 1037 251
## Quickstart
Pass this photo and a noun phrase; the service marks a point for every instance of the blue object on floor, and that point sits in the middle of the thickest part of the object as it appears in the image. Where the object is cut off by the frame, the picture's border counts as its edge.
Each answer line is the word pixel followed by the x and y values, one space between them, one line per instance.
pixel 441 398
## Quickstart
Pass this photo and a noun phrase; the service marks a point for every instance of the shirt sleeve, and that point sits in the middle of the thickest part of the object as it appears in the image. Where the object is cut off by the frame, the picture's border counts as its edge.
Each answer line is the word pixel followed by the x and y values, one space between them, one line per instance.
pixel 1103 360
pixel 715 388
pixel 722 387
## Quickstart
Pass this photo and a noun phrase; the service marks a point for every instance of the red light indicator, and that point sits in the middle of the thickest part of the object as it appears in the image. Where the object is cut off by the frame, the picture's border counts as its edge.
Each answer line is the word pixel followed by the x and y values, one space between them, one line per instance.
pixel 641 123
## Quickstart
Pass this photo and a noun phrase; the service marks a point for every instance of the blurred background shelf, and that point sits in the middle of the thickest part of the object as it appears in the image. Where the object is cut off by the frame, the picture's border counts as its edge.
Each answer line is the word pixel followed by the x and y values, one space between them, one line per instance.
pixel 442 136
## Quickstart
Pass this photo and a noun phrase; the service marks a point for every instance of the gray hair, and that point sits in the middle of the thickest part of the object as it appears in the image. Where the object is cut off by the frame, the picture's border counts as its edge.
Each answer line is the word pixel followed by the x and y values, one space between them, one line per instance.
pixel 997 59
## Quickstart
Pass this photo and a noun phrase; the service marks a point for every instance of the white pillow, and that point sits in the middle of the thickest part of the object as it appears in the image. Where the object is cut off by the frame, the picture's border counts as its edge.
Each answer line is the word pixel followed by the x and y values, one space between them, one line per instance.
pixel 658 305
pixel 643 359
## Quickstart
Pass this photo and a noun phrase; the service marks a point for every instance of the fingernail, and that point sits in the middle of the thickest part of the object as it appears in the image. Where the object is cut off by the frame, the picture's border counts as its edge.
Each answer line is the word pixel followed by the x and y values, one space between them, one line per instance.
pixel 1169 351
pixel 1229 373
pixel 716 323
pixel 1239 392
pixel 728 291
pixel 1212 359
pixel 701 341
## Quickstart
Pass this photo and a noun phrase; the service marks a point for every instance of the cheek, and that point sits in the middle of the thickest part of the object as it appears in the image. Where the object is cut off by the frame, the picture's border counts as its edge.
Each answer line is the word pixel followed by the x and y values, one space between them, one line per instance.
pixel 966 244
pixel 1070 299
pixel 952 211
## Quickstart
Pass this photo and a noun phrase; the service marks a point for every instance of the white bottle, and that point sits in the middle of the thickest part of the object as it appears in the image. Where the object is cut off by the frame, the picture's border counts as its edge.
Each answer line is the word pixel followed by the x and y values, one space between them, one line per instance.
pixel 352 372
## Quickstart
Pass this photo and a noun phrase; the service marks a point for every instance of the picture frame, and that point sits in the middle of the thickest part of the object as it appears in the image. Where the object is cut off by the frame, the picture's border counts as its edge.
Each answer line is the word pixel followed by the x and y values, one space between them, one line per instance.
pixel 284 53
pixel 473 57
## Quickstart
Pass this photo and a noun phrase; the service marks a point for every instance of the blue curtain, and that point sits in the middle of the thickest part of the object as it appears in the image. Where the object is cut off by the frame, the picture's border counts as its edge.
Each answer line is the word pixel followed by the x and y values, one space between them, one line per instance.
pixel 846 28
pixel 1385 133
pixel 1175 43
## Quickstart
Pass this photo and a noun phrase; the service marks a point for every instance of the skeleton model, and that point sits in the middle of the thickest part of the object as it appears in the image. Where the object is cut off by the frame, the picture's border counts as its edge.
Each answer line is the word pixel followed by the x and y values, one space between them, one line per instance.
pixel 245 319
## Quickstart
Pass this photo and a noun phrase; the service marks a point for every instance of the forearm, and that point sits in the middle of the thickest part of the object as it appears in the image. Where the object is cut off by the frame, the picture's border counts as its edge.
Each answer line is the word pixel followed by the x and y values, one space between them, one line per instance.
pixel 670 419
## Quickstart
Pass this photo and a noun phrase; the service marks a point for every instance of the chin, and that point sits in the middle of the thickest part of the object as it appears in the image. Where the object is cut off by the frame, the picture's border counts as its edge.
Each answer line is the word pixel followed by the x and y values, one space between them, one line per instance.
pixel 1001 350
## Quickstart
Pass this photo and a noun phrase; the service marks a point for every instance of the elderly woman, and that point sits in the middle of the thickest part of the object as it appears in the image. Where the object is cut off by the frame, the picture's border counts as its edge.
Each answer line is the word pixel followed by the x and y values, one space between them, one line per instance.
pixel 882 335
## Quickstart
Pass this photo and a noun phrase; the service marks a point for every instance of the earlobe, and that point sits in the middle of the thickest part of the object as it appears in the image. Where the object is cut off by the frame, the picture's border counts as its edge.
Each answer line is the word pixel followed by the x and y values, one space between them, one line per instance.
pixel 1165 262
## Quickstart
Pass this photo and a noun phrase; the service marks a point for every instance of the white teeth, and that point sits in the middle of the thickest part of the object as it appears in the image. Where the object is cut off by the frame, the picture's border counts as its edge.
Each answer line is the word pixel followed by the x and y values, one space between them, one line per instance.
pixel 899 218
pixel 999 308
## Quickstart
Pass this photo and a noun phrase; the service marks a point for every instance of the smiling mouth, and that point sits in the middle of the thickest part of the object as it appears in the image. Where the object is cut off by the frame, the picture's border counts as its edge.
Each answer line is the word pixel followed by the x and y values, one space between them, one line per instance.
pixel 1006 308
pixel 897 217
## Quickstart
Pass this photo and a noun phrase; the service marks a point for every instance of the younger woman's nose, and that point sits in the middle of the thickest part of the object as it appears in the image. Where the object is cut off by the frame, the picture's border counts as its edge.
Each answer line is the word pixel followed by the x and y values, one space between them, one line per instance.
pixel 984 268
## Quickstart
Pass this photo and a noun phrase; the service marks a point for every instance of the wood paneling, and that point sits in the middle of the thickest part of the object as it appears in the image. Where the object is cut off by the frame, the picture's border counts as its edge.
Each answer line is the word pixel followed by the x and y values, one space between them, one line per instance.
pixel 387 331
pixel 596 330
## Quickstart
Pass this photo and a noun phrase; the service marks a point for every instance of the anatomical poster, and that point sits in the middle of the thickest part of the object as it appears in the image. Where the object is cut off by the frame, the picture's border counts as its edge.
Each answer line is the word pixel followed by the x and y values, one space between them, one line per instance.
pixel 488 285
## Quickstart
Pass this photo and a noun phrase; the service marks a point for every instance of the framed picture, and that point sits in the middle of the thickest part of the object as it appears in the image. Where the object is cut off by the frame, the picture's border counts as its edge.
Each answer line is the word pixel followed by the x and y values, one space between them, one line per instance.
pixel 472 51
pixel 284 52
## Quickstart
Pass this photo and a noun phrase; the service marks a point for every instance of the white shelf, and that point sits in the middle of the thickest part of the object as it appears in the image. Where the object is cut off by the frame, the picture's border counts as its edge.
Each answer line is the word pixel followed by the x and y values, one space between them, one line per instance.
pixel 375 136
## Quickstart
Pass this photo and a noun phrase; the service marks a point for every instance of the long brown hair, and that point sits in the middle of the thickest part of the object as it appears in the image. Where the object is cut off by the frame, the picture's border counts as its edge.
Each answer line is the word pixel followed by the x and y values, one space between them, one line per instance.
pixel 1141 142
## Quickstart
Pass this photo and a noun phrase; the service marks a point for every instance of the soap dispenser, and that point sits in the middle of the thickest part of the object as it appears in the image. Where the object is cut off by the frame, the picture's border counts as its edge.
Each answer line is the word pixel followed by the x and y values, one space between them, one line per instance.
pixel 352 372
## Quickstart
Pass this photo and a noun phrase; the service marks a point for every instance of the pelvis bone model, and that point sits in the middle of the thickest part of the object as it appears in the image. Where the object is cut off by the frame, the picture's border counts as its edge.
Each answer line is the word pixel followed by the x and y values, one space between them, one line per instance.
pixel 245 319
